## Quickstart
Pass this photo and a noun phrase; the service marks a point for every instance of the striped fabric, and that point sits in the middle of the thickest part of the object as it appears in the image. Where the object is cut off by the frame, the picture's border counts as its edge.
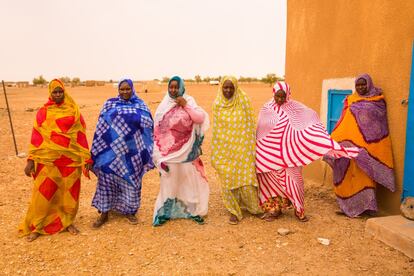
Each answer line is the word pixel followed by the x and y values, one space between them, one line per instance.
pixel 291 135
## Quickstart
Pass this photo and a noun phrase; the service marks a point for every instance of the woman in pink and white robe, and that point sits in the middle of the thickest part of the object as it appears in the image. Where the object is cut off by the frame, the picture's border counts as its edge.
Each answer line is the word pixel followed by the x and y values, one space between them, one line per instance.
pixel 289 136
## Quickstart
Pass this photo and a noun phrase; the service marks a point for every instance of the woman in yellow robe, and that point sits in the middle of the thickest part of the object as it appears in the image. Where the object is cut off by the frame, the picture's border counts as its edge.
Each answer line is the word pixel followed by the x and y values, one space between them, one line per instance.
pixel 58 152
pixel 233 149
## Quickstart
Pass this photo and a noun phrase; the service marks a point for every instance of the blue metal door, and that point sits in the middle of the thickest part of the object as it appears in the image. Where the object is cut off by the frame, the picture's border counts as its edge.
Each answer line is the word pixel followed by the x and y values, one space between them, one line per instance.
pixel 335 105
pixel 408 184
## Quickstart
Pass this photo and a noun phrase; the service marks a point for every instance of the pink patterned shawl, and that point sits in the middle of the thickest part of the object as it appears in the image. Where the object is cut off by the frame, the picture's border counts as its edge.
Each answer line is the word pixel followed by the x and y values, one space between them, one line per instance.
pixel 177 139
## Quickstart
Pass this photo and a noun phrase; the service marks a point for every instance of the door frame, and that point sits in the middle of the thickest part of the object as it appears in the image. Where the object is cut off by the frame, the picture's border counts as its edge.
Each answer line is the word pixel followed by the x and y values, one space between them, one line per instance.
pixel 408 181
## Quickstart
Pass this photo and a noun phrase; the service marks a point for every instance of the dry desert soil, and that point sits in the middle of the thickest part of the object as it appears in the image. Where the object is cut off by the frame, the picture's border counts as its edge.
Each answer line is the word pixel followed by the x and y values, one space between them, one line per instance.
pixel 179 247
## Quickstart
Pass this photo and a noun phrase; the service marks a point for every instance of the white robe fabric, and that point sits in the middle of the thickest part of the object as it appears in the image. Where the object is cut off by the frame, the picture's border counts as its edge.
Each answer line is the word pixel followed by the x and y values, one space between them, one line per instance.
pixel 184 190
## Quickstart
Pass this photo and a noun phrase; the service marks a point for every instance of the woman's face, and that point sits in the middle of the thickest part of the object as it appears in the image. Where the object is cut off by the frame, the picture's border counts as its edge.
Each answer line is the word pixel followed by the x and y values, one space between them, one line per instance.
pixel 173 88
pixel 228 89
pixel 58 95
pixel 280 97
pixel 125 91
pixel 361 86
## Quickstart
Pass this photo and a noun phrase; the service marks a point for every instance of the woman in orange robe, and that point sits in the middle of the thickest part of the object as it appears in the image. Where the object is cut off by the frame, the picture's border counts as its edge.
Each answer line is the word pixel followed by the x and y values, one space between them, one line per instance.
pixel 363 124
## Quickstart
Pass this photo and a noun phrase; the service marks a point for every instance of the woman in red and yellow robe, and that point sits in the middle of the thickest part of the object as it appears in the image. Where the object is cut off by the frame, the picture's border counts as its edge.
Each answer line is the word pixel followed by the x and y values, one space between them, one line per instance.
pixel 58 152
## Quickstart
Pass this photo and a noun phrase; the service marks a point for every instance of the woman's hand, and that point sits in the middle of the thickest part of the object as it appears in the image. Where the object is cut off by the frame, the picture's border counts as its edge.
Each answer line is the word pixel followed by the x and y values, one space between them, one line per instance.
pixel 30 168
pixel 181 101
pixel 88 167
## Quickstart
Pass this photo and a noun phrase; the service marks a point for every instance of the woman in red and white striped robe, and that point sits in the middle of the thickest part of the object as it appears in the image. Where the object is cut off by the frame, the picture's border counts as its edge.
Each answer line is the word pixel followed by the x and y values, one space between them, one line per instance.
pixel 289 136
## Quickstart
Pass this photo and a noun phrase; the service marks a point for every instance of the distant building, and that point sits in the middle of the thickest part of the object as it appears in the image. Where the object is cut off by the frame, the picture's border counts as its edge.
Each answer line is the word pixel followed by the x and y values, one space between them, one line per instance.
pixel 10 84
pixel 22 84
pixel 19 84
pixel 90 83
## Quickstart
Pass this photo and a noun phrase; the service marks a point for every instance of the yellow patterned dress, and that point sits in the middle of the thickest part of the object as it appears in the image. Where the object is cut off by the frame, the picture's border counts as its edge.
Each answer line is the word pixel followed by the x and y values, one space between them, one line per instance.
pixel 233 150
pixel 59 149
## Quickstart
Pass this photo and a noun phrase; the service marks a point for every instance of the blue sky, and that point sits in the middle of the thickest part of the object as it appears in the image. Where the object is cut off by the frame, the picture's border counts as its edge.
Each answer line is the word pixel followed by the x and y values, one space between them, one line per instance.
pixel 142 39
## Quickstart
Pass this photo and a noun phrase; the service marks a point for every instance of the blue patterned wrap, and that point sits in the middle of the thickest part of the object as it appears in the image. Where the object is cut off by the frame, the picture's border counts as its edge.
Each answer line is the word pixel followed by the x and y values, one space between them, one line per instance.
pixel 122 153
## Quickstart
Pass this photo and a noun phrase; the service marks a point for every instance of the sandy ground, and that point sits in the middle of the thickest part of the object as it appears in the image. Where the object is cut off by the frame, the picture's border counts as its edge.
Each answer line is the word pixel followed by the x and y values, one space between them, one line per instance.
pixel 178 247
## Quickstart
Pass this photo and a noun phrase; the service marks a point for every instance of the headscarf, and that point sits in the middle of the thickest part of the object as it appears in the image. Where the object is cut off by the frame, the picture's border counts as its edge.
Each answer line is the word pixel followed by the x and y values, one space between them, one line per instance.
pixel 167 116
pixel 281 85
pixel 131 84
pixel 239 96
pixel 168 101
pixel 123 140
pixel 291 135
pixel 372 90
pixel 233 141
pixel 69 102
pixel 181 86
pixel 58 136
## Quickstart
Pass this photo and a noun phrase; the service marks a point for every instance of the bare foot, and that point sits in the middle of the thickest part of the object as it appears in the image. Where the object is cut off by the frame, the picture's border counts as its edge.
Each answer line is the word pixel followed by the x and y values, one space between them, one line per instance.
pixel 101 220
pixel 72 229
pixel 32 236
pixel 233 220
pixel 132 219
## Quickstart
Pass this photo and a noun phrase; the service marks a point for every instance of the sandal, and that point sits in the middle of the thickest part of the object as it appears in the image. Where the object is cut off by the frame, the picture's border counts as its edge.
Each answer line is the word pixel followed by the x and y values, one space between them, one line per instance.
pixel 340 213
pixel 271 216
pixel 132 219
pixel 101 220
pixel 198 219
pixel 72 229
pixel 301 217
pixel 233 220
pixel 32 236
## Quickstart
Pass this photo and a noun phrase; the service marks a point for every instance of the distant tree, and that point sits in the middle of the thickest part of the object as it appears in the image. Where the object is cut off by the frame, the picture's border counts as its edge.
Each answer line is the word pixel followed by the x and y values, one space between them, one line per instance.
pixel 65 80
pixel 165 79
pixel 271 79
pixel 39 80
pixel 76 81
pixel 207 79
pixel 246 79
pixel 111 81
pixel 197 78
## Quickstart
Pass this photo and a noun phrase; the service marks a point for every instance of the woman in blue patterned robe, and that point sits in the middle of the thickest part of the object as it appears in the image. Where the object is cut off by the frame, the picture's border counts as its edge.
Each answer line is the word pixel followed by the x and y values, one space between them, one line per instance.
pixel 121 150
